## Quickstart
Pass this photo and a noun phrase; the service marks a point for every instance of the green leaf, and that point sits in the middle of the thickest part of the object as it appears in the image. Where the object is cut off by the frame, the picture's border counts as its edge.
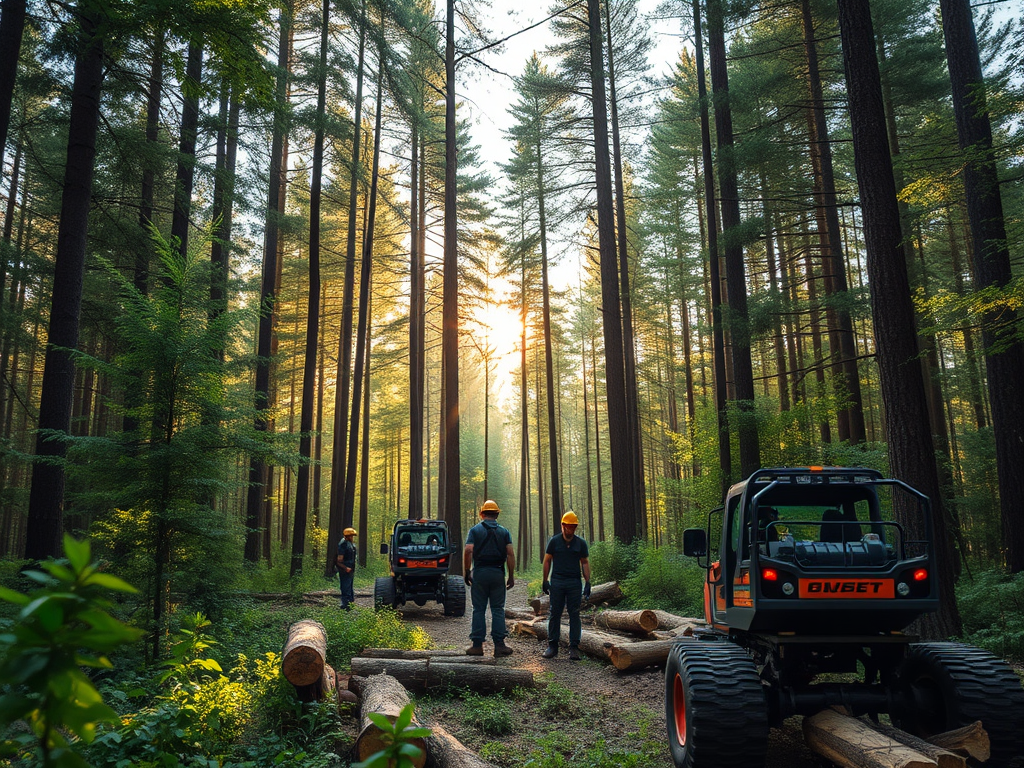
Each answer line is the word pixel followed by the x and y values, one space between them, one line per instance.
pixel 404 718
pixel 77 552
pixel 415 732
pixel 410 750
pixel 381 722
pixel 111 582
pixel 10 596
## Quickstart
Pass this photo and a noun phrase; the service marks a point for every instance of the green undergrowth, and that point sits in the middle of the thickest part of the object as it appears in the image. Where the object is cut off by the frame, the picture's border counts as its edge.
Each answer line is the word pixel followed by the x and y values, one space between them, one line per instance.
pixel 551 727
pixel 992 610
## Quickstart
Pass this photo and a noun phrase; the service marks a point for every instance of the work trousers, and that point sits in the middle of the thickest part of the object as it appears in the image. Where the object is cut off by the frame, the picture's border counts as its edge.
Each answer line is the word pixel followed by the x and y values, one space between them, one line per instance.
pixel 488 586
pixel 348 593
pixel 566 593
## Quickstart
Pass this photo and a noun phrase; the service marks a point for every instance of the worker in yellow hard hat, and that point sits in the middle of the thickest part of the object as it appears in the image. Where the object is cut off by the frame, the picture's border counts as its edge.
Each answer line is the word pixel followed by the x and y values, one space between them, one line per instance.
pixel 566 557
pixel 347 567
pixel 488 551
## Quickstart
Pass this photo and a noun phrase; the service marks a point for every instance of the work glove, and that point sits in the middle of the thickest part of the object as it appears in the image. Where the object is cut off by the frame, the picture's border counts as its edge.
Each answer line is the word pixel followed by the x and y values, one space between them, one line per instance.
pixel 511 582
pixel 468 578
pixel 546 586
pixel 586 590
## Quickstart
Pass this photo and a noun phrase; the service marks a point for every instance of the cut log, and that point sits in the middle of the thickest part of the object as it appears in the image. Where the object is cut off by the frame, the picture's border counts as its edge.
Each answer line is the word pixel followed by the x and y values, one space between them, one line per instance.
pixel 384 695
pixel 943 758
pixel 518 614
pixel 637 622
pixel 355 684
pixel 849 743
pixel 302 661
pixel 596 644
pixel 668 620
pixel 324 689
pixel 448 657
pixel 446 751
pixel 424 674
pixel 651 653
pixel 969 741
pixel 606 594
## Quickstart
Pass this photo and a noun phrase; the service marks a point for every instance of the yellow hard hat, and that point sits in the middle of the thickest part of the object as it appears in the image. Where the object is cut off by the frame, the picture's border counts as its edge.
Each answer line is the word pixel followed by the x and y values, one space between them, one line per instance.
pixel 569 518
pixel 349 532
pixel 489 506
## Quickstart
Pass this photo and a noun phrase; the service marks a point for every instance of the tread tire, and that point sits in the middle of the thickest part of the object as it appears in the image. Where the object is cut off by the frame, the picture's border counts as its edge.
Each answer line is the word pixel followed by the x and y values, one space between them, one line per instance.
pixel 949 685
pixel 384 592
pixel 715 708
pixel 455 596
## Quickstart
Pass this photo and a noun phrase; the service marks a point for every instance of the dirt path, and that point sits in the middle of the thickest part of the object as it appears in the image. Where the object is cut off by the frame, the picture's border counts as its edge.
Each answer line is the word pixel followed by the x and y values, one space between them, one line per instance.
pixel 624 710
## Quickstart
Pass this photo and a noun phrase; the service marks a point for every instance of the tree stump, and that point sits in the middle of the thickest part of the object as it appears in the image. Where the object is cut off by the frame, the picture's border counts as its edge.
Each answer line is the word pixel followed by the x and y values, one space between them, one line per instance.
pixel 384 695
pixel 302 661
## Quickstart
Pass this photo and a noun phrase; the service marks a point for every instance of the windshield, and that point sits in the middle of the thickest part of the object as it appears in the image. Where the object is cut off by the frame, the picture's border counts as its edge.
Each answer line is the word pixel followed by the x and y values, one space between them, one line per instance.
pixel 421 536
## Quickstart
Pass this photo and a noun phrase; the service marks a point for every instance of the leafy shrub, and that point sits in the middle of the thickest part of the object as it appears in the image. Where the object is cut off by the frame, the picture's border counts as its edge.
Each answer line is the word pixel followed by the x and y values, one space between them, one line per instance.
pixel 992 610
pixel 612 561
pixel 559 702
pixel 488 714
pixel 665 579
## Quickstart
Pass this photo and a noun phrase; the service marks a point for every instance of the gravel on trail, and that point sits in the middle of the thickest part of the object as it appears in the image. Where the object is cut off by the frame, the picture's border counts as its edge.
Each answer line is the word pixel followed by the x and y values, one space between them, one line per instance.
pixel 593 680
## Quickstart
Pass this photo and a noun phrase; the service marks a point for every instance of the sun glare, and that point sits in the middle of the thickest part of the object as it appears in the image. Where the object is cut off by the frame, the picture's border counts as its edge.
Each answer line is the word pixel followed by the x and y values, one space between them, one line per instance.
pixel 499 329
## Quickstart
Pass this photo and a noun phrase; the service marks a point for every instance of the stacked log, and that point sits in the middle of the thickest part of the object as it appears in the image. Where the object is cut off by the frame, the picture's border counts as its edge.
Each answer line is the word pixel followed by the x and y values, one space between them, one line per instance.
pixel 635 622
pixel 446 657
pixel 424 674
pixel 384 695
pixel 446 751
pixel 852 743
pixel 652 653
pixel 969 741
pixel 302 661
pixel 607 594
pixel 596 644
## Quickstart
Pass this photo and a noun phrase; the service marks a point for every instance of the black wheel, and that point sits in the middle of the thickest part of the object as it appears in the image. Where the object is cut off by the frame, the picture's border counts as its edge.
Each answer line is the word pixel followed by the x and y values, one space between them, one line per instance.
pixel 715 708
pixel 383 592
pixel 455 596
pixel 950 685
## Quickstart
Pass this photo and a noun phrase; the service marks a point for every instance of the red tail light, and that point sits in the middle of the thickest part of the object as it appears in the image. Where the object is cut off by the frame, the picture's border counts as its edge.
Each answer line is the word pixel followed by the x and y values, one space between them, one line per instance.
pixel 770 574
pixel 443 561
pixel 920 574
pixel 401 561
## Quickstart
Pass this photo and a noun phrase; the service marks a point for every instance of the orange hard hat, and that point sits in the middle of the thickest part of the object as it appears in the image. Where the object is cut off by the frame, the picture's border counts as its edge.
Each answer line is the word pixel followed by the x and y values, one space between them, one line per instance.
pixel 349 532
pixel 569 518
pixel 490 506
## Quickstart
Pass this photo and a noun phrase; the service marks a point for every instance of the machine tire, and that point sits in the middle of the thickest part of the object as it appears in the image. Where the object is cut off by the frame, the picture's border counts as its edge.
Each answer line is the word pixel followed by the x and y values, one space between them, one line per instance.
pixel 455 596
pixel 949 685
pixel 715 708
pixel 384 592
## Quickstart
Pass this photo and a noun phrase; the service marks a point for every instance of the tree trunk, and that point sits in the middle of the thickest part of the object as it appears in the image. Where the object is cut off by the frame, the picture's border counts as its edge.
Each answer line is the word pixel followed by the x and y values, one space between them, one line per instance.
pixel 1004 352
pixel 911 452
pixel 717 332
pixel 258 490
pixel 736 283
pixel 417 326
pixel 304 654
pixel 525 534
pixel 187 146
pixel 224 206
pixel 383 695
pixel 312 310
pixel 452 512
pixel 338 522
pixel 425 674
pixel 153 97
pixel 626 515
pixel 12 25
pixel 628 344
pixel 46 499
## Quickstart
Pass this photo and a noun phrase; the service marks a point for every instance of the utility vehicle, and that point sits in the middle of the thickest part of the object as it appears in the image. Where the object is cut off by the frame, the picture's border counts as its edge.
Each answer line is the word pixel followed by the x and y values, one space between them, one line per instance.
pixel 420 554
pixel 811 582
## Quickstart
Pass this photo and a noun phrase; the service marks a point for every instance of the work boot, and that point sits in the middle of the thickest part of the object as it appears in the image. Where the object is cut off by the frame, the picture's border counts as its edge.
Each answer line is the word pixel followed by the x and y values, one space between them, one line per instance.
pixel 500 649
pixel 574 653
pixel 476 649
pixel 550 652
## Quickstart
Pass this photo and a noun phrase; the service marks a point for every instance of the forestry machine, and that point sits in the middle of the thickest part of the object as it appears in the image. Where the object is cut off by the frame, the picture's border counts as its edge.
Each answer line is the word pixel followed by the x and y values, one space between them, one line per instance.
pixel 420 553
pixel 811 581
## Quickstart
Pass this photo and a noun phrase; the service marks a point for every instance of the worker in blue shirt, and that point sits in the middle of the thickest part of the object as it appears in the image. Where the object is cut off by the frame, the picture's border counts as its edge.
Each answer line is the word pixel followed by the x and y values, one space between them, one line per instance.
pixel 566 557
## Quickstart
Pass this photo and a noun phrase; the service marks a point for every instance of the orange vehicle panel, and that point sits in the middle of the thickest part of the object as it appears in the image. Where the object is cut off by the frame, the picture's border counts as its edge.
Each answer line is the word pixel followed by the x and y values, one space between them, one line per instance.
pixel 858 589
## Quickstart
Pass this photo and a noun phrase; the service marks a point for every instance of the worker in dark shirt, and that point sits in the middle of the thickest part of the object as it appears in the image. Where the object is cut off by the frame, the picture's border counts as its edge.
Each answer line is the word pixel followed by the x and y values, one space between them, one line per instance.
pixel 488 552
pixel 347 567
pixel 566 557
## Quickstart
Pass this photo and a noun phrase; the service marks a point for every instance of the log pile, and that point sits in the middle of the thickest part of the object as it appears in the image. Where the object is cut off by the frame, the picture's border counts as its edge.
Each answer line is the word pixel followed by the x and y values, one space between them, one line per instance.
pixel 862 743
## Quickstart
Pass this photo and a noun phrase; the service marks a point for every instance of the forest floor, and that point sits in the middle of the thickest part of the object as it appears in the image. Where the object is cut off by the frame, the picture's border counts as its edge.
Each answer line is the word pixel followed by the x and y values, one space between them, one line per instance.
pixel 590 715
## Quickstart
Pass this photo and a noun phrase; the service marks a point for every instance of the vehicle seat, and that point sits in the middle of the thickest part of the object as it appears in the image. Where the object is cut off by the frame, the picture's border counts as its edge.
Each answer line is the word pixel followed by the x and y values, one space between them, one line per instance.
pixel 831 526
pixel 405 540
pixel 766 515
